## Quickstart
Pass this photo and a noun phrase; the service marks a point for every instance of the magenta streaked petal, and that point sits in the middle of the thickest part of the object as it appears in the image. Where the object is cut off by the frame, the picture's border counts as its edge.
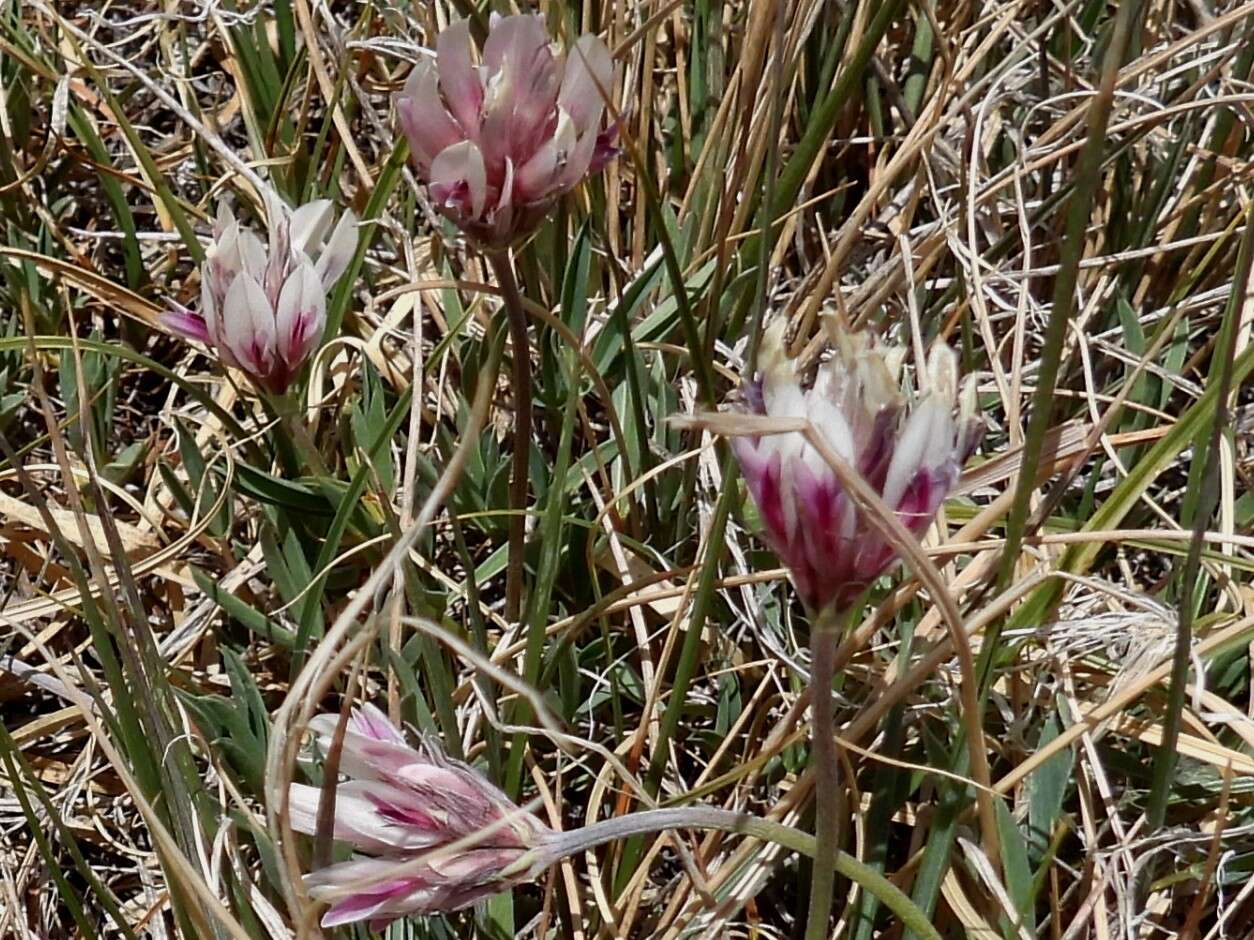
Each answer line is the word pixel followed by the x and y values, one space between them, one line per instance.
pixel 370 722
pixel 367 904
pixel 186 324
pixel 300 316
pixel 523 81
pixel 924 495
pixel 877 450
pixel 248 325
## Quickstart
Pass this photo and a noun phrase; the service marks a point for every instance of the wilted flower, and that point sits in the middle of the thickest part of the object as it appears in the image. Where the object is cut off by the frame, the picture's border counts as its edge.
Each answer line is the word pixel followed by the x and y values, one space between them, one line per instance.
pixel 264 309
pixel 444 836
pixel 497 142
pixel 911 457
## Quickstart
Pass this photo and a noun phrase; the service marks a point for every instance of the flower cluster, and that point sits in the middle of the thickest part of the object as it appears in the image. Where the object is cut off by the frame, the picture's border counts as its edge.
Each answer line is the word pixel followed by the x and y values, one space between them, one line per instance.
pixel 263 308
pixel 499 140
pixel 911 457
pixel 441 835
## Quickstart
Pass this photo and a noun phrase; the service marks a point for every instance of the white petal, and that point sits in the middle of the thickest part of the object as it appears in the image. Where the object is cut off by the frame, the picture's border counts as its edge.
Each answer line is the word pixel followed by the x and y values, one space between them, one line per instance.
pixel 338 251
pixel 309 225
pixel 589 74
pixel 252 254
pixel 917 448
pixel 248 325
pixel 455 165
pixel 301 315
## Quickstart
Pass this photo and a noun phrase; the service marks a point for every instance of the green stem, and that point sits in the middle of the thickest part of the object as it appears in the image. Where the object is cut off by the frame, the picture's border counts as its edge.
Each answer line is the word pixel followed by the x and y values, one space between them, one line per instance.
pixel 1225 352
pixel 1079 210
pixel 571 843
pixel 824 636
pixel 521 380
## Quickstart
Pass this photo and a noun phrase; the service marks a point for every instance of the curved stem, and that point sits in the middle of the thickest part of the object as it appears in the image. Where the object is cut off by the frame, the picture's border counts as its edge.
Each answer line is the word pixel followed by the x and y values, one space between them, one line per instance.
pixel 521 381
pixel 827 797
pixel 565 844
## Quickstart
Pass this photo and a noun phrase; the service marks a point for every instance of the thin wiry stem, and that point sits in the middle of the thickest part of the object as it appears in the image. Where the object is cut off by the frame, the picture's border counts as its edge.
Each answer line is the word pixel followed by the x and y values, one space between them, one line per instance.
pixel 824 635
pixel 521 380
pixel 565 844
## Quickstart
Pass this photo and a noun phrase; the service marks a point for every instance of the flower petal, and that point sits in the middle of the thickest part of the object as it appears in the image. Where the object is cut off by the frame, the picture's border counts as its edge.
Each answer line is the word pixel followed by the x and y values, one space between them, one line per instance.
pixel 224 220
pixel 459 79
pixel 309 225
pixel 248 326
pixel 587 82
pixel 338 250
pixel 185 323
pixel 523 82
pixel 926 440
pixel 424 121
pixel 301 315
pixel 459 180
pixel 370 722
pixel 252 254
pixel 537 178
pixel 369 815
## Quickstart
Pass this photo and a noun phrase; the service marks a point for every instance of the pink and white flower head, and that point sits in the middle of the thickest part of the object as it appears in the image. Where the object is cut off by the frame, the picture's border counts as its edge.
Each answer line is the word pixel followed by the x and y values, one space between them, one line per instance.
pixel 498 140
pixel 911 456
pixel 263 307
pixel 443 837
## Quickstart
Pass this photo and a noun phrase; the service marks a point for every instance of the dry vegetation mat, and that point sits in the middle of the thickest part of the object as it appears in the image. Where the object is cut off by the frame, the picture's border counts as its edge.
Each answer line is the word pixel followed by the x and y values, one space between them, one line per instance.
pixel 462 479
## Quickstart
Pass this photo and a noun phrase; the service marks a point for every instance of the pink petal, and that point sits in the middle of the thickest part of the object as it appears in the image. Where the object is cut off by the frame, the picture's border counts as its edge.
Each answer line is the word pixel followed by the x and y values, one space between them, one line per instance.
pixel 926 439
pixel 370 815
pixel 523 82
pixel 186 324
pixel 370 722
pixel 459 79
pixel 424 121
pixel 538 177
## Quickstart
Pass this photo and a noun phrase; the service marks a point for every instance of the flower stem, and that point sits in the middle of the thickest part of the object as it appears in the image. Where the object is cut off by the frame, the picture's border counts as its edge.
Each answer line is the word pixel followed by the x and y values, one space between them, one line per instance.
pixel 521 381
pixel 566 844
pixel 824 636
